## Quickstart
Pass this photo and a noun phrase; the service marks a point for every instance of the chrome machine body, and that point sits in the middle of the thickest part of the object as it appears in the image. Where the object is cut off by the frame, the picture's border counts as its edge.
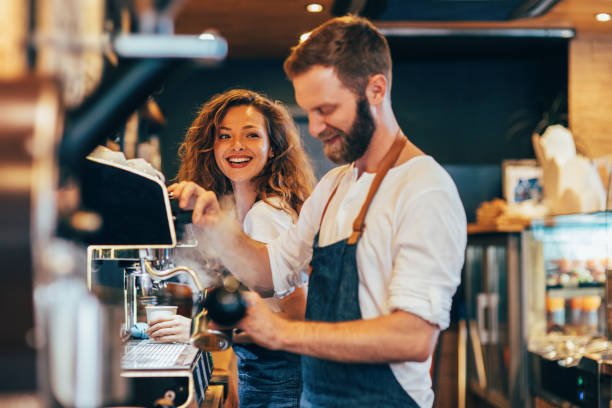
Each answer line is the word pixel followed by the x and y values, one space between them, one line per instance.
pixel 141 232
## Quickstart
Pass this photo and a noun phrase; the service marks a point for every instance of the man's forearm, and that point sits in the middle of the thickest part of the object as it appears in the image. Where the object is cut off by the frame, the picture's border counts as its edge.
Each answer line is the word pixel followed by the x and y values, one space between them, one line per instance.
pixel 244 257
pixel 398 337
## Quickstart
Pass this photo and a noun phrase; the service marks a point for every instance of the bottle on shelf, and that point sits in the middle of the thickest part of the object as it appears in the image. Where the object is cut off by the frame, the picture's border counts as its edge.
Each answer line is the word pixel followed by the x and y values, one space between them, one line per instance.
pixel 590 314
pixel 555 308
pixel 575 315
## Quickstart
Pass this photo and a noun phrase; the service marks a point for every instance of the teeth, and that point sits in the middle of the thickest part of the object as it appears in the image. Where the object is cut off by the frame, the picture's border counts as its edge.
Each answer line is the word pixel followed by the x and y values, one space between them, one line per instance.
pixel 239 160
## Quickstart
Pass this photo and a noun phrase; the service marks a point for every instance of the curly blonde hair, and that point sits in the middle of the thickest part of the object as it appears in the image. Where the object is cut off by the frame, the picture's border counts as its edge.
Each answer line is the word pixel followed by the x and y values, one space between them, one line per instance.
pixel 287 175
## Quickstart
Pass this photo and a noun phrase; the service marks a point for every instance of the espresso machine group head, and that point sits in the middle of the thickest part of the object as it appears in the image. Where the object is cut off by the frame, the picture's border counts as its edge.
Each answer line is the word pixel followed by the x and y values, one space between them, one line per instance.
pixel 142 227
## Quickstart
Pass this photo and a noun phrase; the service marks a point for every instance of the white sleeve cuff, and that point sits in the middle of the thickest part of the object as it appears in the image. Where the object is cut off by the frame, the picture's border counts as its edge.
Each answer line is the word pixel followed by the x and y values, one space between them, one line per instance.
pixel 434 308
pixel 283 278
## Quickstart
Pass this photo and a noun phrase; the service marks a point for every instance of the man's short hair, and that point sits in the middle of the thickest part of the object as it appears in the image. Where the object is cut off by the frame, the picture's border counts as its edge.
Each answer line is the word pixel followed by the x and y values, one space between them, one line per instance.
pixel 351 45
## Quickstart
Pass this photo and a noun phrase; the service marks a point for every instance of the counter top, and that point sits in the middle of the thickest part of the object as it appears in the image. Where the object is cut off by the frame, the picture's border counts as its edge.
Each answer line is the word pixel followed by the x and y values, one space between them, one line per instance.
pixel 474 228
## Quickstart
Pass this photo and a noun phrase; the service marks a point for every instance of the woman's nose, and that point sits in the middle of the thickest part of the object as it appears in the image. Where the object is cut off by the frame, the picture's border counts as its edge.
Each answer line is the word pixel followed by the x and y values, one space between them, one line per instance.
pixel 237 144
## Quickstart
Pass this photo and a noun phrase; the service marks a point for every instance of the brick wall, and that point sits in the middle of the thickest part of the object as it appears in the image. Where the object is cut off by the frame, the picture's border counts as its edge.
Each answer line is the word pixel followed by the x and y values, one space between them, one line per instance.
pixel 590 94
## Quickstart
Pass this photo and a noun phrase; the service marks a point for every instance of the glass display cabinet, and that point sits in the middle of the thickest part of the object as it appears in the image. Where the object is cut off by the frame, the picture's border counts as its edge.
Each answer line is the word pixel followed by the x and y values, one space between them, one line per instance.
pixel 566 259
pixel 536 323
pixel 566 263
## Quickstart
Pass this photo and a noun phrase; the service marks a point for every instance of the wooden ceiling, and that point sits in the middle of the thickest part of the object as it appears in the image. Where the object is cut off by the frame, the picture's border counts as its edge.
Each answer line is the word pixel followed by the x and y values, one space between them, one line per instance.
pixel 268 28
pixel 253 28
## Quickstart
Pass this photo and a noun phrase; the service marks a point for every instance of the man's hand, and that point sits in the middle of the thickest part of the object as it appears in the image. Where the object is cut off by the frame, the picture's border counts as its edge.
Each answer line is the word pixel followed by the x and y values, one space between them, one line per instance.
pixel 170 329
pixel 260 324
pixel 204 203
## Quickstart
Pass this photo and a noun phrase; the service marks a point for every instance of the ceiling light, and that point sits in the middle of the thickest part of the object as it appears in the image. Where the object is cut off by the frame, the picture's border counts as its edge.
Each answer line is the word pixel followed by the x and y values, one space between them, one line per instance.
pixel 314 8
pixel 602 17
pixel 304 36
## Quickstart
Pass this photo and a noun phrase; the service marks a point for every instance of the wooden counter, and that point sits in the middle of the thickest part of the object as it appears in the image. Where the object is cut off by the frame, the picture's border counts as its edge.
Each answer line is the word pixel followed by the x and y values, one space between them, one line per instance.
pixel 473 228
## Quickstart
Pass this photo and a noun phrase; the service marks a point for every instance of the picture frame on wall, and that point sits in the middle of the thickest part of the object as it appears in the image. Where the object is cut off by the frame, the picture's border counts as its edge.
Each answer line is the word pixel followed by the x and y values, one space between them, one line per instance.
pixel 521 181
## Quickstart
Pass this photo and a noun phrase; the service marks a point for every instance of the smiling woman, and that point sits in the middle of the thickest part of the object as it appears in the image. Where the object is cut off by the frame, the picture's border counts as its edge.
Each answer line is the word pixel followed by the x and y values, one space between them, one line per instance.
pixel 244 143
pixel 219 150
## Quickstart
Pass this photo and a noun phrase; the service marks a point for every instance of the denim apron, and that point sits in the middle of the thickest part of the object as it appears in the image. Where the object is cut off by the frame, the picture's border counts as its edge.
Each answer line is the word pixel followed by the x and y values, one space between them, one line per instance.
pixel 333 296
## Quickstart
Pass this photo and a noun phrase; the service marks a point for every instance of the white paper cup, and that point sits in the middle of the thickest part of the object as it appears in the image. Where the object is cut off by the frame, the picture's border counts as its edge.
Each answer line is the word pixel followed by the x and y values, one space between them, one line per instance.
pixel 155 312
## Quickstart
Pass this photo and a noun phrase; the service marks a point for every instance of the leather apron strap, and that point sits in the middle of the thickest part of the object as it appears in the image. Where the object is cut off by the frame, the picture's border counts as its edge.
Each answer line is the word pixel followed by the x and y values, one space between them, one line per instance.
pixel 386 164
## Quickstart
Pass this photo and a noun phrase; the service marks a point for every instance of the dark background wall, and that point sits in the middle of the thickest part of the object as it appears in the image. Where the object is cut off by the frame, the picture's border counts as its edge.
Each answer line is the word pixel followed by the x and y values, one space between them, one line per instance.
pixel 469 103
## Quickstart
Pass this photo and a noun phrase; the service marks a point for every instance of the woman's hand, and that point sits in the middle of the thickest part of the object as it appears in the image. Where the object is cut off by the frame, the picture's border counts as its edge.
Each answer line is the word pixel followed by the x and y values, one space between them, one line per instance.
pixel 175 329
pixel 204 203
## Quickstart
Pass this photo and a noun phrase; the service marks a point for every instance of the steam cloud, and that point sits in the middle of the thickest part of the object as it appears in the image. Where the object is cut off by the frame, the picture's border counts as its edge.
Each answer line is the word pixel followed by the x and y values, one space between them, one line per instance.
pixel 203 257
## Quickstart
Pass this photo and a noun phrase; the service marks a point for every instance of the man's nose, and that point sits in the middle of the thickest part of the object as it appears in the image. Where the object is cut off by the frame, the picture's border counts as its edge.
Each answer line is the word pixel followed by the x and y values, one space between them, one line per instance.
pixel 315 124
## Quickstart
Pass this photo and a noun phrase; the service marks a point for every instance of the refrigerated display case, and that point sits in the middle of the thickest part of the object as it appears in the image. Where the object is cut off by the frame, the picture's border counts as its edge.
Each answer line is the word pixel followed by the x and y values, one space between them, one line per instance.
pixel 536 307
pixel 567 260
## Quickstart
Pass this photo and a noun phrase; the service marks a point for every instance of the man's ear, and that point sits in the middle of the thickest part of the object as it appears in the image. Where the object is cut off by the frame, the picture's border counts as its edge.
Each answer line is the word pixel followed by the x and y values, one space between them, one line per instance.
pixel 376 89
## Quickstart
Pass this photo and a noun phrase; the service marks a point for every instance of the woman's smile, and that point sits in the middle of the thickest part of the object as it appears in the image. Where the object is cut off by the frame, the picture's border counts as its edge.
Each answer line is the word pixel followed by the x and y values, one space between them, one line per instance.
pixel 239 161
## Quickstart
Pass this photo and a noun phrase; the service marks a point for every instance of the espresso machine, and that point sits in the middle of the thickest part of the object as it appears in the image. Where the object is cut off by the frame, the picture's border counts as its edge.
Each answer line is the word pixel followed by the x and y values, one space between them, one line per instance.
pixel 141 236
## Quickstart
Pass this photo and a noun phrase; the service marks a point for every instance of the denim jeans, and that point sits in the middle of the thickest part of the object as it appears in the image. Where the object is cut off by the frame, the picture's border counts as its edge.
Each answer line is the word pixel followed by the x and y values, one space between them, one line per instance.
pixel 268 378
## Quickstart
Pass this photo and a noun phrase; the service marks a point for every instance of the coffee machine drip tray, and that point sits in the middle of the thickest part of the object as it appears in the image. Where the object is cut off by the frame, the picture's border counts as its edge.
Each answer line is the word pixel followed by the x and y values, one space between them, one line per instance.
pixel 150 355
pixel 179 372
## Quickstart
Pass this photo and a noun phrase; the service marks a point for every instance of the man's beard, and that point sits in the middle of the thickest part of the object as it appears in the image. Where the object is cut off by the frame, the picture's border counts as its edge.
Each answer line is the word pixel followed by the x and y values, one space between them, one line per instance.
pixel 353 144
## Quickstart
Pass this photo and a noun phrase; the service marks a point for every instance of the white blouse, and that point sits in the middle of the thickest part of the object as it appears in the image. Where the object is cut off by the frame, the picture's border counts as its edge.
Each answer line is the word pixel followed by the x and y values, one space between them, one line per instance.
pixel 263 222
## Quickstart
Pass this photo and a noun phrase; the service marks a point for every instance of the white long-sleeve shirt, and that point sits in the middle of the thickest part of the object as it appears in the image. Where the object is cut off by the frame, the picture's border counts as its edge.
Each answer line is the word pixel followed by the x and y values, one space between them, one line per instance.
pixel 264 222
pixel 409 256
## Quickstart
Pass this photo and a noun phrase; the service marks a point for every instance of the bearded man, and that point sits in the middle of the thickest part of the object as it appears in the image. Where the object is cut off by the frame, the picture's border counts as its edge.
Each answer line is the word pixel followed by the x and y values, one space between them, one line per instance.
pixel 384 236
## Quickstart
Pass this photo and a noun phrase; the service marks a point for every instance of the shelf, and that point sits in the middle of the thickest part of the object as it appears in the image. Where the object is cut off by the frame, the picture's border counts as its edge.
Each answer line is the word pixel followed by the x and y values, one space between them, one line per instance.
pixel 577 291
pixel 473 228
